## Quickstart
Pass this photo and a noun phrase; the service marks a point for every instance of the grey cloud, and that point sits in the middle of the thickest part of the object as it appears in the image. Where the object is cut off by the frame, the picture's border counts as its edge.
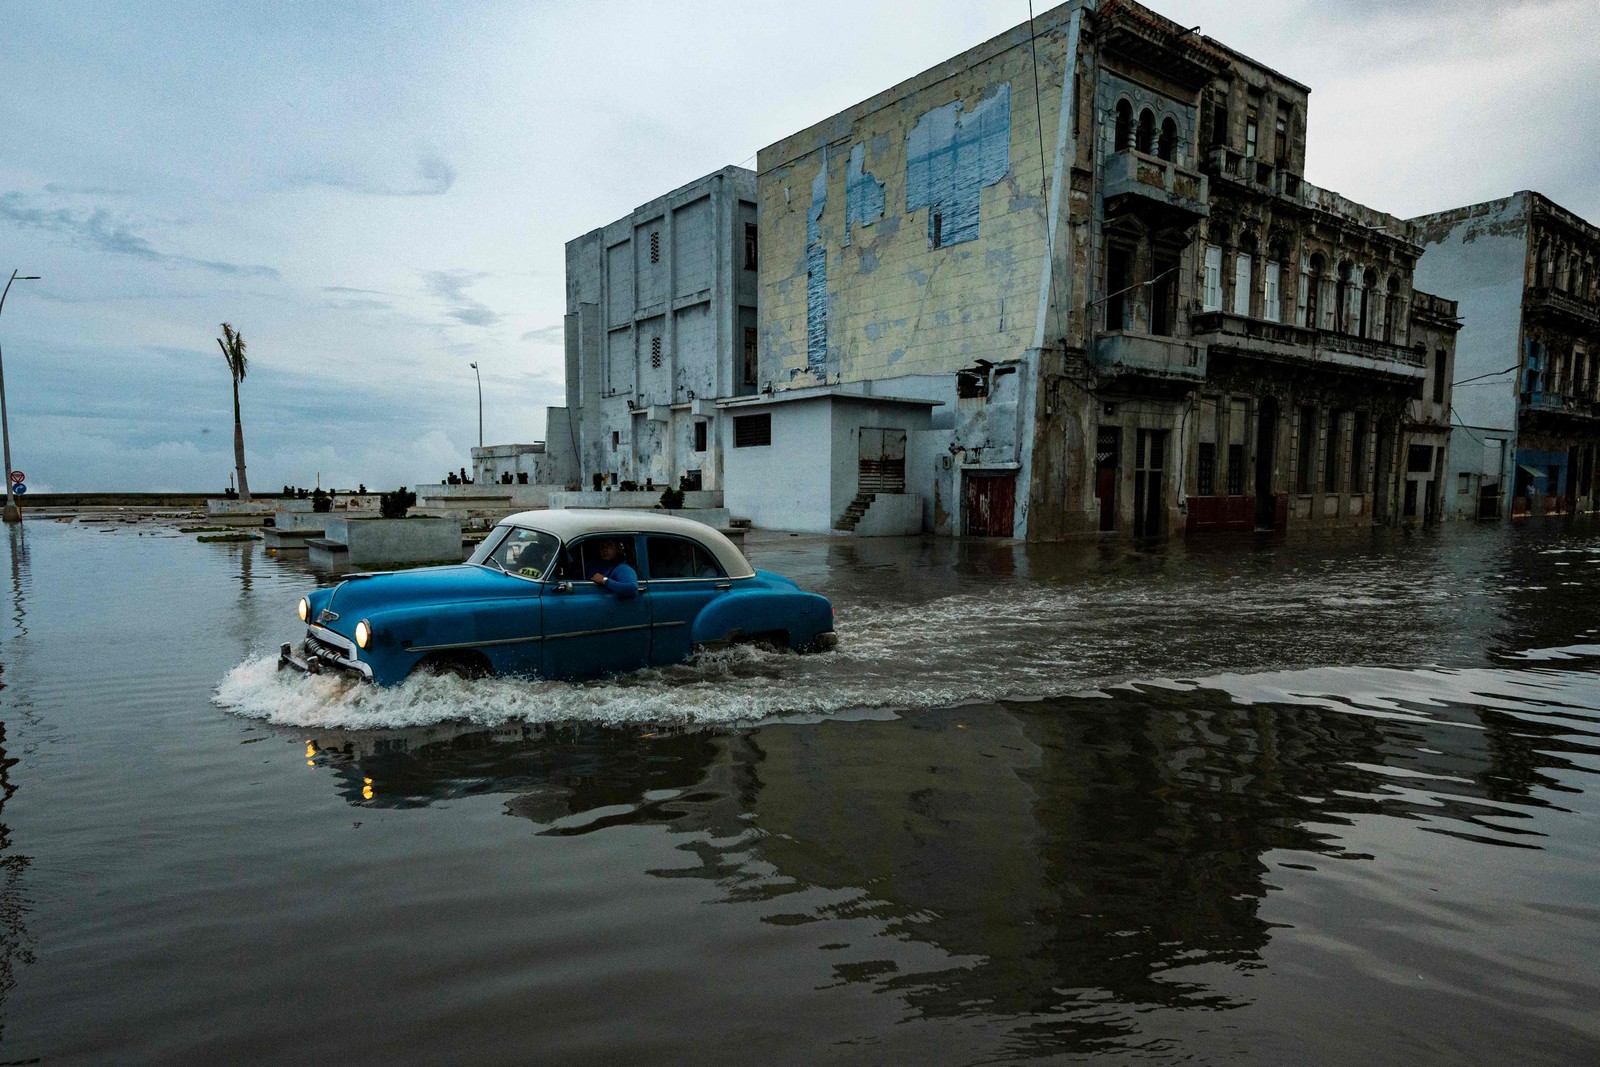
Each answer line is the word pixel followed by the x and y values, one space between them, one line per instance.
pixel 450 287
pixel 99 229
pixel 347 289
pixel 83 190
pixel 360 304
pixel 434 177
pixel 546 334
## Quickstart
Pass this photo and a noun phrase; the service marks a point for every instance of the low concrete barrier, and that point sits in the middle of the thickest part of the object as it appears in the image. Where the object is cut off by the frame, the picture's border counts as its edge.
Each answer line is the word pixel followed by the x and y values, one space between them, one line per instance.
pixel 641 498
pixel 235 509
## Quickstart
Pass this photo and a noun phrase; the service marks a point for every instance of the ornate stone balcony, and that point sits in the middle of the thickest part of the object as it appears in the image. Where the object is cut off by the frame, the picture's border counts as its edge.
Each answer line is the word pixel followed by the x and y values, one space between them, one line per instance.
pixel 1576 407
pixel 1140 183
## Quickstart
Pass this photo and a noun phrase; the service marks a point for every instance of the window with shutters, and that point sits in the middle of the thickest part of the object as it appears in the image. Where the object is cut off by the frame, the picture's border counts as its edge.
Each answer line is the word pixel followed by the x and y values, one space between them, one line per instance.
pixel 752 431
pixel 1213 291
pixel 1242 267
pixel 655 246
pixel 655 353
pixel 1270 295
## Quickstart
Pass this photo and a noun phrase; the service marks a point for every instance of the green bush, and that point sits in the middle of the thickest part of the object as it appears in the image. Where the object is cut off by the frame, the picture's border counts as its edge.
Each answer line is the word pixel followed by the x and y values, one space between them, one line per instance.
pixel 395 505
pixel 671 499
pixel 321 502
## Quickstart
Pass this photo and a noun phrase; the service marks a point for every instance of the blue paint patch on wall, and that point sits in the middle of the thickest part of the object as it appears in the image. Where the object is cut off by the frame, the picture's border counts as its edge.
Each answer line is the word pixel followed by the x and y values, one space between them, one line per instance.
pixel 951 157
pixel 863 194
pixel 869 261
pixel 817 275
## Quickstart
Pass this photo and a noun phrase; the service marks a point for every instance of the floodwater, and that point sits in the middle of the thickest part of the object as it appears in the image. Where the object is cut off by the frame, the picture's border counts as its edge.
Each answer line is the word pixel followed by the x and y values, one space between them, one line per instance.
pixel 1269 802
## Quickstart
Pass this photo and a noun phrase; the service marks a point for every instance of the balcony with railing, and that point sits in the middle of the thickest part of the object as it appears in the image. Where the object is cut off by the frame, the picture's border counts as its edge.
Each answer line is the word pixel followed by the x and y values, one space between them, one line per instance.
pixel 1265 177
pixel 1562 404
pixel 1142 183
pixel 1285 342
pixel 1548 301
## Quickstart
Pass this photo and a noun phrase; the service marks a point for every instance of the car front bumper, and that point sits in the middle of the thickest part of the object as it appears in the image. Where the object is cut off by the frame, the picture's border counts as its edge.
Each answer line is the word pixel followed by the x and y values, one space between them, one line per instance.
pixel 323 650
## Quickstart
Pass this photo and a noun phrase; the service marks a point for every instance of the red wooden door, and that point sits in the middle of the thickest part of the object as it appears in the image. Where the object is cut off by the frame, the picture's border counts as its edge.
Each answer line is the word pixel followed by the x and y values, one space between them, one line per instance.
pixel 986 504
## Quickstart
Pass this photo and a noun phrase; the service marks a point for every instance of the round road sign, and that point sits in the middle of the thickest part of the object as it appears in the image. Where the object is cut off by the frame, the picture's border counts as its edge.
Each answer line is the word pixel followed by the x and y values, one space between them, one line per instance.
pixel 18 488
pixel 17 477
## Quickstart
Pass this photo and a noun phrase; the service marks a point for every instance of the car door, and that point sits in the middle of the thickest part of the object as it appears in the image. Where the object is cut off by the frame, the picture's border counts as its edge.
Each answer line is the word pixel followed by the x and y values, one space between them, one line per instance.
pixel 589 630
pixel 684 578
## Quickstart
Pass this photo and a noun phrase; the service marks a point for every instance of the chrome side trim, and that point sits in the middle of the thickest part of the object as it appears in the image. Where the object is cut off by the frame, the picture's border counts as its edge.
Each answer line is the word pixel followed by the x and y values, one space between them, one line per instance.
pixel 550 637
pixel 474 644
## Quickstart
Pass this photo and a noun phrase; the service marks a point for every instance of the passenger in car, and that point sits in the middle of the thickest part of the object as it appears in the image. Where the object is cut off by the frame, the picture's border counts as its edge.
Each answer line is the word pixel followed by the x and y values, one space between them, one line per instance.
pixel 613 573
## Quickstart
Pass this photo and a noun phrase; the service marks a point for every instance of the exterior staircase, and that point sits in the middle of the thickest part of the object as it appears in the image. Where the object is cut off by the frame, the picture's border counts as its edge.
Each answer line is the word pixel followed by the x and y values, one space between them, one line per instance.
pixel 852 514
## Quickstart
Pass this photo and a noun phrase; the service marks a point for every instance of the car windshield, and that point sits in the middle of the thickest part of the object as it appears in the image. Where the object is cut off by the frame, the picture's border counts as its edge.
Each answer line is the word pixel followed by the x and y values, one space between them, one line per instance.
pixel 525 553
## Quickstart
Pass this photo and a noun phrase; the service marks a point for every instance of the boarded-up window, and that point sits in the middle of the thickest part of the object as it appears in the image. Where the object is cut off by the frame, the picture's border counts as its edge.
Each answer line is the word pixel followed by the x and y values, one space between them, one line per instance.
pixel 751 431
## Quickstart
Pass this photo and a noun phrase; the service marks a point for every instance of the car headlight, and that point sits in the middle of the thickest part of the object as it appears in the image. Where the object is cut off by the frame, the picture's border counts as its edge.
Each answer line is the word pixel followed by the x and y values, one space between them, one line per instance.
pixel 363 633
pixel 305 610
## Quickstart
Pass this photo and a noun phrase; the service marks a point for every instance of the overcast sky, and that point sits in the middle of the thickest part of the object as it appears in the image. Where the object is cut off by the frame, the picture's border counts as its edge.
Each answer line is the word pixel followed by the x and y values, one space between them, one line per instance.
pixel 377 194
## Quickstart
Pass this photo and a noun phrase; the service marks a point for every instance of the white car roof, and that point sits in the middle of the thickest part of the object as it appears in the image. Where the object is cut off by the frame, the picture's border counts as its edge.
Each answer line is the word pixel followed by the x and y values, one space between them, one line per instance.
pixel 568 523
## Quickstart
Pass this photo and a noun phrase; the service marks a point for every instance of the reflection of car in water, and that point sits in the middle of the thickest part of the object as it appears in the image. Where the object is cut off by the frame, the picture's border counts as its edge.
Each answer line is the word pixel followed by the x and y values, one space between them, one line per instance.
pixel 524 604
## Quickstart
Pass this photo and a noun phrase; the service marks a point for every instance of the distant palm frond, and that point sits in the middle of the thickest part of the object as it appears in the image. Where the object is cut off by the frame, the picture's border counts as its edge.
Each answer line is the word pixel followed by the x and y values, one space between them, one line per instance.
pixel 233 351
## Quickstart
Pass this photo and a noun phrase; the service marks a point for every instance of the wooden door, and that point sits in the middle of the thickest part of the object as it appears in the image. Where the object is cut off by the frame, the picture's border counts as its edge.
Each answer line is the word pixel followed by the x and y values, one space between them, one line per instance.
pixel 987 502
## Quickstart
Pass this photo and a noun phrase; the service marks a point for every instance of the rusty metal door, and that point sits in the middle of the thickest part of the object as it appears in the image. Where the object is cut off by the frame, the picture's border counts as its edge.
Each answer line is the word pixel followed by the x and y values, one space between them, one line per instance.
pixel 883 460
pixel 987 503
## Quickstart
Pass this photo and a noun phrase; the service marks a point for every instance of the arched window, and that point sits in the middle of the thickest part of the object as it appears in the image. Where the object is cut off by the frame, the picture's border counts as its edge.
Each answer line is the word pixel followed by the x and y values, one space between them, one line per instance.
pixel 1168 147
pixel 1369 282
pixel 1341 298
pixel 1391 308
pixel 1147 131
pixel 1314 292
pixel 1124 125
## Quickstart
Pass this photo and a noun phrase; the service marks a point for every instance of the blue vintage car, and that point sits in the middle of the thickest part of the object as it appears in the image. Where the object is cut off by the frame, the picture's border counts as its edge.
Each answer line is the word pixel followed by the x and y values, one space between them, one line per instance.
pixel 525 604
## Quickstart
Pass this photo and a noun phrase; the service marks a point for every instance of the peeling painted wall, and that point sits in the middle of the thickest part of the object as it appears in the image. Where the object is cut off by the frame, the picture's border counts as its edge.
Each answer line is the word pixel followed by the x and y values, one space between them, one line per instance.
pixel 951 156
pixel 864 201
pixel 817 276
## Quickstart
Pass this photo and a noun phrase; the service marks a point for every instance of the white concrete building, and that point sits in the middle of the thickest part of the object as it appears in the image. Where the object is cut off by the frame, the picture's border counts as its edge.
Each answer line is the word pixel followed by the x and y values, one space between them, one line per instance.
pixel 660 323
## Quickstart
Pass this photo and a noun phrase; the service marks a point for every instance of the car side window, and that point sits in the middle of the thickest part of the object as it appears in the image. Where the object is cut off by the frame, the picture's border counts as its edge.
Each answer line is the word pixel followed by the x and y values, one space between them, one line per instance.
pixel 675 557
pixel 581 558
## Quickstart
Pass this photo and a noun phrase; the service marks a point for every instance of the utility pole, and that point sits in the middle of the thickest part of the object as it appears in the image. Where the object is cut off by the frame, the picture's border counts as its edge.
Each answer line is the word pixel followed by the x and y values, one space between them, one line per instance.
pixel 478 376
pixel 12 512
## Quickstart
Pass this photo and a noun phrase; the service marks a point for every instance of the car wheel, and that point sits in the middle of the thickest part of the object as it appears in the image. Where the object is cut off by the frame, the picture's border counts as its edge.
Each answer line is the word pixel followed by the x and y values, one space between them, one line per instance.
pixel 467 665
pixel 773 641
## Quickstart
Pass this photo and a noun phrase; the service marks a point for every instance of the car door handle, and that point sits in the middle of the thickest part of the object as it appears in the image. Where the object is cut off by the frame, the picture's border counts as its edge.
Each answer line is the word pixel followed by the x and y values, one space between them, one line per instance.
pixel 723 585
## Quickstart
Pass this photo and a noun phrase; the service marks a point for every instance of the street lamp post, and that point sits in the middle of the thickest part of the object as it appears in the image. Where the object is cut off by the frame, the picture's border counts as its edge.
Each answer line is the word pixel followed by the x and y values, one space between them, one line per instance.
pixel 12 512
pixel 476 375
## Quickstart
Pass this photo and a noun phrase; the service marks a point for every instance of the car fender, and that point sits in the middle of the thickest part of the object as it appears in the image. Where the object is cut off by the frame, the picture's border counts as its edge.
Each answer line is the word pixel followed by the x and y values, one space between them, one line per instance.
pixel 760 611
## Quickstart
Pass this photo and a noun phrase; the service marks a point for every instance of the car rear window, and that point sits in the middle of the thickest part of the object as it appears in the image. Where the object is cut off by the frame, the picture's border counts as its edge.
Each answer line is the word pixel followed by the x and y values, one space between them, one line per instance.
pixel 675 557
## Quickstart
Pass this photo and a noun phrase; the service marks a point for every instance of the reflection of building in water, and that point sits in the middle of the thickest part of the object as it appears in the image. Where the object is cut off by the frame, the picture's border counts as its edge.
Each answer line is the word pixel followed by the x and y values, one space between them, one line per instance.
pixel 1059 855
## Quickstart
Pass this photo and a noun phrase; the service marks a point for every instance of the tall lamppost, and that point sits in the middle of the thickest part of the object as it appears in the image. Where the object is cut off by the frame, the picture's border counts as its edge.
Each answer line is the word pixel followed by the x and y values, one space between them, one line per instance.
pixel 12 513
pixel 476 375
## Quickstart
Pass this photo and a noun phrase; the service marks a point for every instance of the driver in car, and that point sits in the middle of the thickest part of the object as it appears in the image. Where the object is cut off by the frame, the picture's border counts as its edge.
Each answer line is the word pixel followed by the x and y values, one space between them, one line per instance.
pixel 613 573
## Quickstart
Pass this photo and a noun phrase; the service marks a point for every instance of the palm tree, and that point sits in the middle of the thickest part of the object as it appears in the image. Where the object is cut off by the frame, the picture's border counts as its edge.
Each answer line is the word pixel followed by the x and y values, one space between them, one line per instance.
pixel 232 344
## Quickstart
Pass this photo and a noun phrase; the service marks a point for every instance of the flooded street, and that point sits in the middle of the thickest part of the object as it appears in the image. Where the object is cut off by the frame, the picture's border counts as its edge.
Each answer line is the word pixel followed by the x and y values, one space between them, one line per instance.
pixel 1246 802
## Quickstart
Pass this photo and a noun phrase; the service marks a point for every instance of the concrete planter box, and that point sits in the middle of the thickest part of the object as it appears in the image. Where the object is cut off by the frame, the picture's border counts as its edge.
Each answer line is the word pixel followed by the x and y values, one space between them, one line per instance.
pixel 292 529
pixel 360 542
pixel 242 509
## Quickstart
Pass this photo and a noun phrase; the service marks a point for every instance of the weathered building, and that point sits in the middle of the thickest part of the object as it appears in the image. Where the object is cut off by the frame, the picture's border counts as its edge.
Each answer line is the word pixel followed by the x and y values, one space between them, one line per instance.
pixel 1087 246
pixel 1527 401
pixel 661 321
